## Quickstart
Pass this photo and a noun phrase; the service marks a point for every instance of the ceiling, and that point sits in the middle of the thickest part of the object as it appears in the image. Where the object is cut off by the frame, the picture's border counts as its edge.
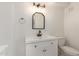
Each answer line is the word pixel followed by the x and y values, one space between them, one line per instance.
pixel 62 4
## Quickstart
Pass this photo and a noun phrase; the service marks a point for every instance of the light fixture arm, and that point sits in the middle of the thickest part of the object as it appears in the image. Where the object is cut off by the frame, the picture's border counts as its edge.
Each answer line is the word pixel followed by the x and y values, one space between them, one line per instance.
pixel 38 5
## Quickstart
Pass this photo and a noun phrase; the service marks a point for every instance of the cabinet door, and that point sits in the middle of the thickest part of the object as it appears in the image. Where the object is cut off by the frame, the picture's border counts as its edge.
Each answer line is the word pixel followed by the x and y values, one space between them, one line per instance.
pixel 50 49
pixel 33 50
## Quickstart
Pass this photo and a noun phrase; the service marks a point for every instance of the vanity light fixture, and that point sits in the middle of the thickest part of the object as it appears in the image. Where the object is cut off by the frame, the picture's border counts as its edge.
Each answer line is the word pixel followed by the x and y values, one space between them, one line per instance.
pixel 38 5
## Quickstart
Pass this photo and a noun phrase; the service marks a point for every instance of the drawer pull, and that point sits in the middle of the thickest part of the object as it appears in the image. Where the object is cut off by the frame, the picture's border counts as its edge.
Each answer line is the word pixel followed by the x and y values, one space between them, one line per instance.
pixel 44 50
pixel 51 42
pixel 35 46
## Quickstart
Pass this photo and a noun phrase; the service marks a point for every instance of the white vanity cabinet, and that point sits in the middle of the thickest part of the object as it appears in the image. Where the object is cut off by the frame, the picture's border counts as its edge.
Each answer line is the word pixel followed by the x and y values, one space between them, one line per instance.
pixel 42 48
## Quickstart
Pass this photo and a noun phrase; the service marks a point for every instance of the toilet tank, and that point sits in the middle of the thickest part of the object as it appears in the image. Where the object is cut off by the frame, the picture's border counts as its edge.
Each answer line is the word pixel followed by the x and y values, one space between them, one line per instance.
pixel 61 42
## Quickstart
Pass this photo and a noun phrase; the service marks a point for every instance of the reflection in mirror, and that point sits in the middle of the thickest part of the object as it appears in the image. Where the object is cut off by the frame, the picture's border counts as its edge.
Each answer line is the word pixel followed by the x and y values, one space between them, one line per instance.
pixel 38 21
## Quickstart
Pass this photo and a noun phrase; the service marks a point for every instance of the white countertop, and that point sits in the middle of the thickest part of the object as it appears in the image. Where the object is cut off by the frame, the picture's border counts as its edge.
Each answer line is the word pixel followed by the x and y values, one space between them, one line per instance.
pixel 40 39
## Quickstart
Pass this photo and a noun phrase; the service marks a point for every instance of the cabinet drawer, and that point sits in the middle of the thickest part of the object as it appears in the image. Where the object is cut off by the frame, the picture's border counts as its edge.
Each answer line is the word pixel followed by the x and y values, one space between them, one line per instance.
pixel 44 43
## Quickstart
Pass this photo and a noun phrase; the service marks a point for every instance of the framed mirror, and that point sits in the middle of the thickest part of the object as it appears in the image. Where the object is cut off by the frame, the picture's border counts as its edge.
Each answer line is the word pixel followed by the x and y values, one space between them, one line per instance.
pixel 38 21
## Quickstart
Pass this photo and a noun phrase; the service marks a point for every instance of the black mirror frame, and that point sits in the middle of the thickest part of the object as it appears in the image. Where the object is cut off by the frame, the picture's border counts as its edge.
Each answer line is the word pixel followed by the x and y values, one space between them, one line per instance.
pixel 43 21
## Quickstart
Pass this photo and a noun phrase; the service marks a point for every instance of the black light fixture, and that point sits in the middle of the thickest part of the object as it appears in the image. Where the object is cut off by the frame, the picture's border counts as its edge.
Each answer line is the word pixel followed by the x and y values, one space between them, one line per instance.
pixel 44 5
pixel 38 5
pixel 33 4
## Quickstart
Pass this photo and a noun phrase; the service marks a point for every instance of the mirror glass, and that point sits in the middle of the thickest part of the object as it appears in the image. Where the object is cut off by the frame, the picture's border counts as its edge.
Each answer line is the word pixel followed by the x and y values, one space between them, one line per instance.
pixel 38 21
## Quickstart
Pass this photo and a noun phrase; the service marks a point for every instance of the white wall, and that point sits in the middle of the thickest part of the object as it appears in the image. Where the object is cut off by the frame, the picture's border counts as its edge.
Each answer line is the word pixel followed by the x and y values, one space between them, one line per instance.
pixel 5 22
pixel 6 27
pixel 71 25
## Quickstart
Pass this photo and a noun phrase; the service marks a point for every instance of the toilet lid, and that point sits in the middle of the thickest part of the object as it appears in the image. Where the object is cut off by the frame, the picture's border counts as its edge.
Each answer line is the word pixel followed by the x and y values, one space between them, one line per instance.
pixel 70 50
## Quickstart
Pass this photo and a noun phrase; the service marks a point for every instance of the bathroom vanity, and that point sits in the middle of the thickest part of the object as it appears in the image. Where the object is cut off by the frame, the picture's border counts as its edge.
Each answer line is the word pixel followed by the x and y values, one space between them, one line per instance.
pixel 42 46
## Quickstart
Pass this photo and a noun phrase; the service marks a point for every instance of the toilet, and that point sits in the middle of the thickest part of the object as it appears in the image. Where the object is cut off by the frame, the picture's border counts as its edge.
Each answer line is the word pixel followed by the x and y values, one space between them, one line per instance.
pixel 66 50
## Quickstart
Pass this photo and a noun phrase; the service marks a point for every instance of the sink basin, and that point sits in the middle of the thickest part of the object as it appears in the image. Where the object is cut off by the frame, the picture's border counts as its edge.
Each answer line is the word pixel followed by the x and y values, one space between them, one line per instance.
pixel 42 38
